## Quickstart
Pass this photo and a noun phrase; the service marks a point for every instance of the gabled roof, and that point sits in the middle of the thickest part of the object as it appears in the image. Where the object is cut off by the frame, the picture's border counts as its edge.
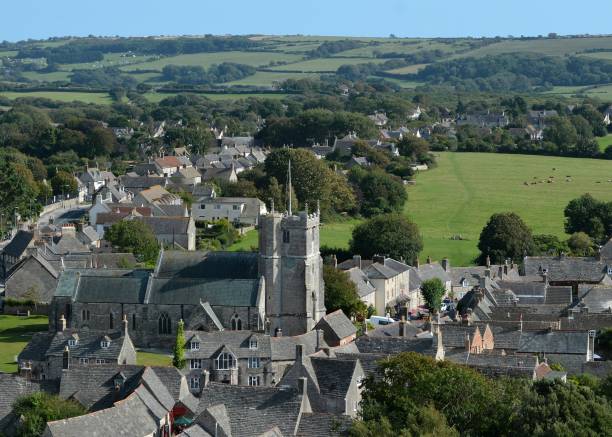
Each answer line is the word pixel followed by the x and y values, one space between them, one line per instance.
pixel 13 387
pixel 88 344
pixel 18 245
pixel 199 264
pixel 339 325
pixel 566 268
pixel 236 341
pixel 554 342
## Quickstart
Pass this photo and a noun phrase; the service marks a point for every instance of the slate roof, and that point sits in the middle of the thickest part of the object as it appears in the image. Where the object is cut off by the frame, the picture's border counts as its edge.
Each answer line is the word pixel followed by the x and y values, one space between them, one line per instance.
pixel 237 341
pixel 339 324
pixel 254 410
pixel 166 225
pixel 217 292
pixel 130 417
pixel 139 183
pixel 18 244
pixel 380 271
pixel 194 431
pixel 429 271
pixel 360 279
pixel 606 251
pixel 369 361
pixel 231 265
pixel 88 344
pixel 13 387
pixel 392 330
pixel 283 348
pixel 323 425
pixel 596 298
pixel 495 364
pixel 554 342
pixel 333 375
pixel 393 345
pixel 565 268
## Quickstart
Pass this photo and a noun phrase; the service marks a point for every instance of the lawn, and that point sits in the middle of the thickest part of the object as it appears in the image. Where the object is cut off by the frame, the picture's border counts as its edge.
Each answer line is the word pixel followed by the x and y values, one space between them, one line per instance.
pixel 153 359
pixel 62 96
pixel 15 333
pixel 604 142
pixel 256 59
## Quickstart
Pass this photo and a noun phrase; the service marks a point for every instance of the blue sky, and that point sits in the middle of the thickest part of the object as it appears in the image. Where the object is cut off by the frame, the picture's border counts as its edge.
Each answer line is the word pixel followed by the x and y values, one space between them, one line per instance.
pixel 22 19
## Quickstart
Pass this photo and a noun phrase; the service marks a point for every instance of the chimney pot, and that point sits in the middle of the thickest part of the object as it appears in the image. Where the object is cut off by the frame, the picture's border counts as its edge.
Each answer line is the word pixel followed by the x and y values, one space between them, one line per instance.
pixel 402 327
pixel 299 352
pixel 62 321
pixel 206 378
pixel 428 259
pixel 125 325
pixel 357 261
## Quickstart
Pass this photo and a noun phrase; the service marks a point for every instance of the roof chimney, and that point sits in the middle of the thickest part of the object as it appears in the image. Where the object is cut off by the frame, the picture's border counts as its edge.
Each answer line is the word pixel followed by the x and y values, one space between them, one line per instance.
pixel 299 353
pixel 416 263
pixel 500 272
pixel 357 261
pixel 440 346
pixel 205 378
pixel 278 332
pixel 66 358
pixel 380 259
pixel 125 325
pixel 446 264
pixel 467 342
pixel 428 259
pixel 488 261
pixel 62 323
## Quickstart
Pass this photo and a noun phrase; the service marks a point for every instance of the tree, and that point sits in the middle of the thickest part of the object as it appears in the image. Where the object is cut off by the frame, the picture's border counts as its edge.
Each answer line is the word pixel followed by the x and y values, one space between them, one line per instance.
pixel 341 292
pixel 178 359
pixel 134 236
pixel 547 244
pixel 580 244
pixel 388 234
pixel 589 215
pixel 560 409
pixel 380 192
pixel 17 193
pixel 64 183
pixel 37 409
pixel 433 291
pixel 505 236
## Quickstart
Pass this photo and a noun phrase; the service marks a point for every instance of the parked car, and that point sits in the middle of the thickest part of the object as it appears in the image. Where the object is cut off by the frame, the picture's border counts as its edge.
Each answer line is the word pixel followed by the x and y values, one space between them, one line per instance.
pixel 380 321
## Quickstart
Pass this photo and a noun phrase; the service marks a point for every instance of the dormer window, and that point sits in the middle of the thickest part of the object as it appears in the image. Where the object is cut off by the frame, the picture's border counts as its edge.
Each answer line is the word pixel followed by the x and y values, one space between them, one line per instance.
pixel 610 270
pixel 194 346
pixel 104 344
pixel 253 343
pixel 72 342
pixel 464 283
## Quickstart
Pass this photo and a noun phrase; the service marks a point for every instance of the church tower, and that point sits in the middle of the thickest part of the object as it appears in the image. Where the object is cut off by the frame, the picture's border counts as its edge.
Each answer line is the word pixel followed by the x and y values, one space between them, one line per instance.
pixel 292 266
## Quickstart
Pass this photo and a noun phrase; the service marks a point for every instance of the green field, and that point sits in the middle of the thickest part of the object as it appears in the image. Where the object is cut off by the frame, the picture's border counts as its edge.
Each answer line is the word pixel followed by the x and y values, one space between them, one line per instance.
pixel 604 142
pixel 153 359
pixel 458 197
pixel 15 333
pixel 603 92
pixel 552 47
pixel 47 77
pixel 62 96
pixel 268 78
pixel 408 69
pixel 158 97
pixel 329 65
pixel 110 60
pixel 8 53
pixel 255 59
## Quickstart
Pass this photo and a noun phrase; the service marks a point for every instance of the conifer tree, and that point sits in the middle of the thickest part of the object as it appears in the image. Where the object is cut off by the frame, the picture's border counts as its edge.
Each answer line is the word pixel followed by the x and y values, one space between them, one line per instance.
pixel 178 360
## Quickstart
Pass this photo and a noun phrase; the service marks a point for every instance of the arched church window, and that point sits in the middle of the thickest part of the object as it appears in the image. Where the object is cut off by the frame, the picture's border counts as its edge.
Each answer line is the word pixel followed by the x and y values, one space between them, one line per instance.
pixel 236 323
pixel 164 325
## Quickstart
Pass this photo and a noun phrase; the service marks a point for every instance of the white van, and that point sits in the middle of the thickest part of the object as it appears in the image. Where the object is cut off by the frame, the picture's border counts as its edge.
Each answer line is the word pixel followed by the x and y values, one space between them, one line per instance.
pixel 380 321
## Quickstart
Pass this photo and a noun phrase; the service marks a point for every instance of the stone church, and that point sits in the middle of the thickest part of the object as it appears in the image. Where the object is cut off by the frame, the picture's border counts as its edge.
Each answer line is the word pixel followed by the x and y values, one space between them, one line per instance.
pixel 278 291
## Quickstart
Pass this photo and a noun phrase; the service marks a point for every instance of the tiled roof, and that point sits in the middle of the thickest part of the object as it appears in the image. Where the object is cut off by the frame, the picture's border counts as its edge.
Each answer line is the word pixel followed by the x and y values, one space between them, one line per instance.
pixel 13 387
pixel 253 411
pixel 338 323
pixel 18 244
pixel 166 225
pixel 234 265
pixel 554 342
pixel 323 425
pixel 334 375
pixel 237 341
pixel 218 292
pixel 565 268
pixel 283 348
pixel 88 344
pixel 393 345
pixel 596 298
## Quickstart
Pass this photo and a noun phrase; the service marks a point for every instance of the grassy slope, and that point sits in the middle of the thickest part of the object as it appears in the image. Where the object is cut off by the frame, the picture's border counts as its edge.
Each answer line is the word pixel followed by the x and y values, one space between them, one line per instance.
pixel 15 332
pixel 460 195
pixel 152 359
pixel 553 47
pixel 267 78
pixel 158 97
pixel 98 98
pixel 325 64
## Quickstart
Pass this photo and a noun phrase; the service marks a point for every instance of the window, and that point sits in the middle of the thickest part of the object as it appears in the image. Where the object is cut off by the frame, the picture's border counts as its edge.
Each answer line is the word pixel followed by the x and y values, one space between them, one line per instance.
pixel 253 362
pixel 85 315
pixel 194 383
pixel 194 346
pixel 84 360
pixel 226 361
pixel 195 364
pixel 104 344
pixel 253 343
pixel 111 321
pixel 286 237
pixel 134 321
pixel 202 206
pixel 100 361
pixel 72 342
pixel 254 381
pixel 236 323
pixel 235 207
pixel 610 270
pixel 164 326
